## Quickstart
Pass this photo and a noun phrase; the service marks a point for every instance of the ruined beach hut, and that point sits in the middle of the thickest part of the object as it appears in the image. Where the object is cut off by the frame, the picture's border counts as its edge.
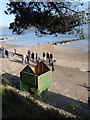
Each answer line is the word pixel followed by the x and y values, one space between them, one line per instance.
pixel 38 79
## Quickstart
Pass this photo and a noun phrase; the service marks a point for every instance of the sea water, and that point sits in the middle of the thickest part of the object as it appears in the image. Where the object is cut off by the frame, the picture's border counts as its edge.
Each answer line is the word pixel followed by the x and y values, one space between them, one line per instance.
pixel 30 39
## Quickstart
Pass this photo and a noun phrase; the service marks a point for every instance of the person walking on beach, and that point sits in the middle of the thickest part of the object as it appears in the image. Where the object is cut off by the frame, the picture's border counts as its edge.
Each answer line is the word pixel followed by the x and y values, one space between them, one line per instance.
pixel 6 53
pixel 43 55
pixel 14 52
pixel 47 57
pixel 38 59
pixel 27 58
pixel 24 59
pixel 28 52
pixel 32 56
pixel 52 64
pixel 2 52
pixel 36 56
pixel 51 58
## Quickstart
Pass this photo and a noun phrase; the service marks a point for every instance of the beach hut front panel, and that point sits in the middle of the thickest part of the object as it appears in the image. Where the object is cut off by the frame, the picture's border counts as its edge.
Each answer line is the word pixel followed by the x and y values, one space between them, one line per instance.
pixel 24 87
pixel 28 79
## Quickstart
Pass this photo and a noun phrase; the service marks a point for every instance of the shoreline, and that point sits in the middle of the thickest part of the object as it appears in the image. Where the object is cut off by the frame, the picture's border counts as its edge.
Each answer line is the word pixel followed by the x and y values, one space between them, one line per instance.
pixel 63 42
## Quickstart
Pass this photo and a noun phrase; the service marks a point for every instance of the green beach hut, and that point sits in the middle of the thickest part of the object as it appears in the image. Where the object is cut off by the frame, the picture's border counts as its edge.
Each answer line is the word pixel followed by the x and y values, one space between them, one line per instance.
pixel 38 79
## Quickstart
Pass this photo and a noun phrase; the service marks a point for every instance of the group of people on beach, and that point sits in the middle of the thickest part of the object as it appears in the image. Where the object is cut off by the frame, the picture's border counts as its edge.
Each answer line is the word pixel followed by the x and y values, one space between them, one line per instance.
pixel 30 56
pixel 48 57
pixel 35 58
pixel 5 53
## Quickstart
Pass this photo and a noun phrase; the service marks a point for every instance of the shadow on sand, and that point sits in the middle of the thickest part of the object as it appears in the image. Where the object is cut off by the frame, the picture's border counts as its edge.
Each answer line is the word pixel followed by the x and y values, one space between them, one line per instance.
pixel 85 86
pixel 66 103
pixel 16 60
pixel 14 80
pixel 20 62
pixel 62 102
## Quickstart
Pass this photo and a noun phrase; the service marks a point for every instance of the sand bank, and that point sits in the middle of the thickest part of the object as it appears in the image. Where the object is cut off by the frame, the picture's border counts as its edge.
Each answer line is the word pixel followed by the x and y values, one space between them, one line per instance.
pixel 9 38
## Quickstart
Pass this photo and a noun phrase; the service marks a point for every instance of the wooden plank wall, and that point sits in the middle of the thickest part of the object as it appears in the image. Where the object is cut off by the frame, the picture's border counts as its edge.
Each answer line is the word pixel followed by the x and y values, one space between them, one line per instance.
pixel 41 68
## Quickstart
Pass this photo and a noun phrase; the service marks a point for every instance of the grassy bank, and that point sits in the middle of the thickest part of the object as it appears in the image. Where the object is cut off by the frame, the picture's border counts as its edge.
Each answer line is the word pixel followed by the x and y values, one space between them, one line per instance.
pixel 67 41
pixel 19 105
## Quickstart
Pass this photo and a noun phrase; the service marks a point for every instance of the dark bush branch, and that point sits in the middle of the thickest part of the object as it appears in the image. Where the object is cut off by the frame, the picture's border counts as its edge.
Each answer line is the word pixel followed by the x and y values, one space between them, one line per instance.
pixel 46 17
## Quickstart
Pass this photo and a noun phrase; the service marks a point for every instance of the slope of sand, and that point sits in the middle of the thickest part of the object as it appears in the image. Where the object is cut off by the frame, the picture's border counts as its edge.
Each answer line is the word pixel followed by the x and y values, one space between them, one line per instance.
pixel 69 80
pixel 66 56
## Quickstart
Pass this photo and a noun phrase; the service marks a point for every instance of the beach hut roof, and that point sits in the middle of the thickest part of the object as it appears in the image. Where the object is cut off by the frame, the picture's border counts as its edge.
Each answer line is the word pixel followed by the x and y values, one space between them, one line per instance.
pixel 28 69
pixel 39 69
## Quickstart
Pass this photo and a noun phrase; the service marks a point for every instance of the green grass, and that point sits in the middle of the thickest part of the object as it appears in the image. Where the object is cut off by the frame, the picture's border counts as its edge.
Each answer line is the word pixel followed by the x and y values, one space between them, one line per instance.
pixel 16 106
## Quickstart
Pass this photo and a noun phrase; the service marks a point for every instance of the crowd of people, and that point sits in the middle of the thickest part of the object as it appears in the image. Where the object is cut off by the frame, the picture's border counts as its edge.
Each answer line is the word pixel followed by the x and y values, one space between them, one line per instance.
pixel 48 57
pixel 30 56
pixel 5 53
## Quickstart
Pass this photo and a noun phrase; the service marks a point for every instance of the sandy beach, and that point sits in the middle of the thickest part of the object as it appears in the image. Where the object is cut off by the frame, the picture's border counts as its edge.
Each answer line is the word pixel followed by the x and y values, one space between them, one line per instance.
pixel 69 80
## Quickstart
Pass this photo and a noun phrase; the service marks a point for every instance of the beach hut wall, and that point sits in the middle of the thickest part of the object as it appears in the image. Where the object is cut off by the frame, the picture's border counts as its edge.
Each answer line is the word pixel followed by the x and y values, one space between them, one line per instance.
pixel 41 68
pixel 39 80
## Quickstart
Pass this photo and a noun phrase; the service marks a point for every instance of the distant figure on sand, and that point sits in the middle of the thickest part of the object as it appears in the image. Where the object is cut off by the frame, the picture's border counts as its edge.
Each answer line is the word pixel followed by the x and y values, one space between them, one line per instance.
pixel 52 64
pixel 6 53
pixel 32 56
pixel 38 60
pixel 36 56
pixel 28 52
pixel 43 55
pixel 2 52
pixel 27 58
pixel 24 59
pixel 14 52
pixel 47 57
pixel 51 58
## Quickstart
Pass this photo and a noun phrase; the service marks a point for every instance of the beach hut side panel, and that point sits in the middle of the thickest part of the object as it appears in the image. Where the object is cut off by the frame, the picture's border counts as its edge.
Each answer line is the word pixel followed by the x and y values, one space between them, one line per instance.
pixel 44 81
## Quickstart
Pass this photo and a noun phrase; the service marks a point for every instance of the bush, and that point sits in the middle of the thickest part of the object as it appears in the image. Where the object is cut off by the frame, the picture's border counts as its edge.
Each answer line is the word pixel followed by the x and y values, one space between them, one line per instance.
pixel 4 81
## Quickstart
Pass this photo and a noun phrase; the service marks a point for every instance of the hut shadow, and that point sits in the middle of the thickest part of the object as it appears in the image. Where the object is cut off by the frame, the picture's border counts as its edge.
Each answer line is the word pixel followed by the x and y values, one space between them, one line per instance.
pixel 12 80
pixel 65 103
